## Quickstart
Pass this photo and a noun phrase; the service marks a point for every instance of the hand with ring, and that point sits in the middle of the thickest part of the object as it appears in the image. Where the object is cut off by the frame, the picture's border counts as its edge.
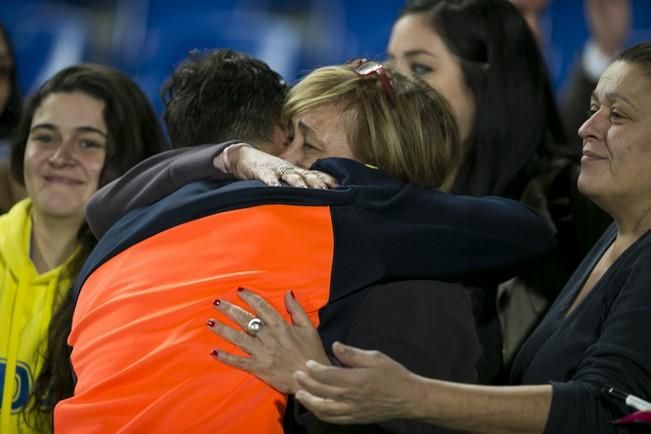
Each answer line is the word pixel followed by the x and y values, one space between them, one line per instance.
pixel 276 348
pixel 250 163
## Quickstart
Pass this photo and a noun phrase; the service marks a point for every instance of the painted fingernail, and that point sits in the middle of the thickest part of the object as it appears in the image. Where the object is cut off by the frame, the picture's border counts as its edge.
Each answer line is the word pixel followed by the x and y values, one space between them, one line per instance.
pixel 214 353
pixel 240 289
pixel 292 294
pixel 210 322
pixel 217 302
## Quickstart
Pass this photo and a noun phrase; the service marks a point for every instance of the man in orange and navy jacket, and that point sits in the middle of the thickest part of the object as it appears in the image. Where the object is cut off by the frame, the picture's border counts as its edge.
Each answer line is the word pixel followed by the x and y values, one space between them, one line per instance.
pixel 141 350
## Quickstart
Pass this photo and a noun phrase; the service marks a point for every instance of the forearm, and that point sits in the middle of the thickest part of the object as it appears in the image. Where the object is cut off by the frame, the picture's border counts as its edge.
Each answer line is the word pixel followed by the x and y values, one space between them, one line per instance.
pixel 480 409
pixel 150 181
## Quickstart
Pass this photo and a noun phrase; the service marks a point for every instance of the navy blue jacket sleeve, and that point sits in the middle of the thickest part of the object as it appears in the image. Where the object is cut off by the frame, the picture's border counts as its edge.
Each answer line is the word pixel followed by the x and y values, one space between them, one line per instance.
pixel 477 241
pixel 150 181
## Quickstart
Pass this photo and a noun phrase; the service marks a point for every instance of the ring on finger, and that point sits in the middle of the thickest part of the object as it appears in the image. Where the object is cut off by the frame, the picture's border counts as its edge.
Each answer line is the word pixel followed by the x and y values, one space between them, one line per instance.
pixel 281 170
pixel 254 326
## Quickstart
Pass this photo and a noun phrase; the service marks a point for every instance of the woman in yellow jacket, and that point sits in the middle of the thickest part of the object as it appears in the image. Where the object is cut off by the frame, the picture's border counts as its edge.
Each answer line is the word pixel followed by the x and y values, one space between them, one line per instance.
pixel 84 127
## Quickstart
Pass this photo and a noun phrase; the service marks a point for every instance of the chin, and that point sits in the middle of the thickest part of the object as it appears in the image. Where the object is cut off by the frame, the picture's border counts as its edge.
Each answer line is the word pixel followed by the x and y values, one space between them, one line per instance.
pixel 589 184
pixel 60 210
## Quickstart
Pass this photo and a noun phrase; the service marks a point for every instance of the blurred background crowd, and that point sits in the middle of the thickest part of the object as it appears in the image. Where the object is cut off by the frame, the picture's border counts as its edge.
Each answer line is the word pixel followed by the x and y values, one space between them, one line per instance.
pixel 147 38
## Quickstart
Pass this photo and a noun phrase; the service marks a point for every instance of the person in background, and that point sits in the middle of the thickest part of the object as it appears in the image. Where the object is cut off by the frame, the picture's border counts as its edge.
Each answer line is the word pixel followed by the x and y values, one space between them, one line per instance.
pixel 609 22
pixel 81 129
pixel 595 335
pixel 482 56
pixel 10 106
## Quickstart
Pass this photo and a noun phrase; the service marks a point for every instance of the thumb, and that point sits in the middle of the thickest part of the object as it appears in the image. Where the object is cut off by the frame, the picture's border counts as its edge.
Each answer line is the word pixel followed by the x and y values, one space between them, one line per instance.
pixel 355 357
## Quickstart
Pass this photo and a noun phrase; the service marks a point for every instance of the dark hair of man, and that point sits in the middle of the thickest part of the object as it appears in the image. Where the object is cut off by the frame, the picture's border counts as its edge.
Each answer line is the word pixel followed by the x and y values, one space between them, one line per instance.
pixel 516 118
pixel 219 95
pixel 134 134
pixel 10 114
pixel 640 55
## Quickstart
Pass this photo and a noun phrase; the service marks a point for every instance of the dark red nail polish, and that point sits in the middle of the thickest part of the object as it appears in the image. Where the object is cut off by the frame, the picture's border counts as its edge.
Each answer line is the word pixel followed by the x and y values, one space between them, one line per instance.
pixel 217 302
pixel 292 293
pixel 240 289
pixel 211 323
pixel 214 353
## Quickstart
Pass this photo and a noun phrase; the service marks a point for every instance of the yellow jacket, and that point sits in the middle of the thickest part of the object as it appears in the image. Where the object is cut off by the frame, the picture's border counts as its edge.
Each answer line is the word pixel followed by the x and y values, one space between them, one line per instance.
pixel 27 301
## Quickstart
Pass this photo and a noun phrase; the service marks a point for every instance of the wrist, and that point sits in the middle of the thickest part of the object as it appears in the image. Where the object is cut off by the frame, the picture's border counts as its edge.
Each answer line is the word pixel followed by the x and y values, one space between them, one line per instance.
pixel 227 160
pixel 418 406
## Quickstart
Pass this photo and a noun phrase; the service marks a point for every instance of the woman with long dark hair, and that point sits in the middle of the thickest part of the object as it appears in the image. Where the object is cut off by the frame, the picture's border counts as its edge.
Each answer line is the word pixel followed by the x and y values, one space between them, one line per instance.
pixel 482 56
pixel 84 127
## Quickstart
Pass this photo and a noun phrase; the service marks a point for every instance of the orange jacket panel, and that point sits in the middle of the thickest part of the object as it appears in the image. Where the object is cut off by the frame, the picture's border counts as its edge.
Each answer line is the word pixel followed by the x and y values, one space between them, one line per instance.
pixel 141 344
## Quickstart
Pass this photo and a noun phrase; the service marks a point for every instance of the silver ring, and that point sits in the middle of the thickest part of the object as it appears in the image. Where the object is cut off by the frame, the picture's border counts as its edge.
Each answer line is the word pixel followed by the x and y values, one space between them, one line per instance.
pixel 281 170
pixel 254 326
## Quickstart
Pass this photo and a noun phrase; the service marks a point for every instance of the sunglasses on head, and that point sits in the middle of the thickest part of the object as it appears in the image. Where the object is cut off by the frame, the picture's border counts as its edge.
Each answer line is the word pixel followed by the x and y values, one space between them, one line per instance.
pixel 369 69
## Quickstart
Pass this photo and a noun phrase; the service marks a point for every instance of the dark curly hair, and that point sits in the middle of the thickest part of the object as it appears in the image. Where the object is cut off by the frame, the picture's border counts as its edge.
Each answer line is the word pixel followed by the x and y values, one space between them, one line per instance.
pixel 218 95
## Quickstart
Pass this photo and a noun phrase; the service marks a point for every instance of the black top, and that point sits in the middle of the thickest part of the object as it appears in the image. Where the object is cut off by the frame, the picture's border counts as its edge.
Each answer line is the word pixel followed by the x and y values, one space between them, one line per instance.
pixel 605 340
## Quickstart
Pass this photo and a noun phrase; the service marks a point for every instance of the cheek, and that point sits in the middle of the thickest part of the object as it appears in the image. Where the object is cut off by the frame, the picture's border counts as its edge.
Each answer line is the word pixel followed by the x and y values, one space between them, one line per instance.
pixel 94 166
pixel 34 158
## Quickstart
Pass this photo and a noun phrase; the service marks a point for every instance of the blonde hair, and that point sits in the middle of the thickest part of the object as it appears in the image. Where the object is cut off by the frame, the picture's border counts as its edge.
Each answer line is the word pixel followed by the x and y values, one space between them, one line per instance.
pixel 413 138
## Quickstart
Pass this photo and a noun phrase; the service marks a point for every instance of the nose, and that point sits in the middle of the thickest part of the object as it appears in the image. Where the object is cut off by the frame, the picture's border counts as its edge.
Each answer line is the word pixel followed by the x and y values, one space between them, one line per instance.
pixel 62 155
pixel 401 65
pixel 595 126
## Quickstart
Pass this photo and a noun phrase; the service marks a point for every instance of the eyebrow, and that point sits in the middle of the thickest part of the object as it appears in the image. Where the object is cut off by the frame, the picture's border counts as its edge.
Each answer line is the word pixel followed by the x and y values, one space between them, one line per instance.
pixel 614 96
pixel 308 132
pixel 419 52
pixel 77 130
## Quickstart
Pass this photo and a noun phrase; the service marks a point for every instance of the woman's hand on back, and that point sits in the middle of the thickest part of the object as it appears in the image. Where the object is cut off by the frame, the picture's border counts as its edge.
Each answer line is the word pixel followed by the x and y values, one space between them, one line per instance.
pixel 371 387
pixel 278 348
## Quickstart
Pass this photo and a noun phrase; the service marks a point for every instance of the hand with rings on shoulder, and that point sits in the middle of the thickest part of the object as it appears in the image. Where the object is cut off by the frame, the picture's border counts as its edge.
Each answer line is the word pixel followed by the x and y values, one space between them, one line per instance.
pixel 275 348
pixel 247 162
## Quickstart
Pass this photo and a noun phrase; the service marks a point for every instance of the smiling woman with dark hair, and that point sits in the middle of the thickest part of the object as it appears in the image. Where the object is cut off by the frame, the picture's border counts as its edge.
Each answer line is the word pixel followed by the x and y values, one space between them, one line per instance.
pixel 82 128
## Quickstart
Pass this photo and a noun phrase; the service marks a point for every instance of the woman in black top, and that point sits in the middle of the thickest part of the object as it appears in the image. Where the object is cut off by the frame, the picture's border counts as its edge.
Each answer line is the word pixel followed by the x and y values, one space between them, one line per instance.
pixel 596 333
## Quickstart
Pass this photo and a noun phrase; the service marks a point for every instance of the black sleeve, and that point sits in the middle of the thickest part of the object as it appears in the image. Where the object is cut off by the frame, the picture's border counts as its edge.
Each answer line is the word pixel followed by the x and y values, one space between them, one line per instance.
pixel 150 181
pixel 479 241
pixel 621 357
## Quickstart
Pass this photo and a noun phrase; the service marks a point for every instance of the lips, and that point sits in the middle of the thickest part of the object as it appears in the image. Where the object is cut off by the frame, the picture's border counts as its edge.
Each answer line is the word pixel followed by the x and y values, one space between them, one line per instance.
pixel 63 180
pixel 590 155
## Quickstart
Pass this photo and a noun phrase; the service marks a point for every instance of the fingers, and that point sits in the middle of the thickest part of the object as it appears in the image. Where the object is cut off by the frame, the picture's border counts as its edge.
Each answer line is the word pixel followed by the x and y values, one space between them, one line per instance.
pixel 269 177
pixel 356 358
pixel 333 376
pixel 232 360
pixel 325 409
pixel 262 308
pixel 234 312
pixel 294 178
pixel 299 317
pixel 318 388
pixel 302 178
pixel 235 337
